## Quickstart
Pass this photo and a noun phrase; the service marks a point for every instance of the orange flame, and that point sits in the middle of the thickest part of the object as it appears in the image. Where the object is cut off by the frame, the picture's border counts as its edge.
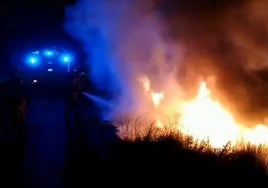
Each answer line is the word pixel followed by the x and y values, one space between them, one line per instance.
pixel 157 97
pixel 206 119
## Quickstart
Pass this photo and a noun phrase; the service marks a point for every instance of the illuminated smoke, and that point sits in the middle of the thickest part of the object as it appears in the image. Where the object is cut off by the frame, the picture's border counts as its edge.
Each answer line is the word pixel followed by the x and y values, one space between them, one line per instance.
pixel 123 42
pixel 227 40
pixel 175 42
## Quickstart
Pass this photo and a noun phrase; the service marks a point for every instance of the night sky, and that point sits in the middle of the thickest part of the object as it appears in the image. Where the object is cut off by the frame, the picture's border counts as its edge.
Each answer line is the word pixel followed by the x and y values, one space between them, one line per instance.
pixel 29 22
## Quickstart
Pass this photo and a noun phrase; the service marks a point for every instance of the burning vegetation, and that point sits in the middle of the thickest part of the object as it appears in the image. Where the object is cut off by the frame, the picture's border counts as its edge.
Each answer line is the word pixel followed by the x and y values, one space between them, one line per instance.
pixel 201 122
pixel 193 69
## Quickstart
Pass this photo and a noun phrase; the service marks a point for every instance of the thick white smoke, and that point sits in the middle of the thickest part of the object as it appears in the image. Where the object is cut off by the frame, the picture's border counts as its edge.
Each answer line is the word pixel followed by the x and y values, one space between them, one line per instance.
pixel 173 43
pixel 124 42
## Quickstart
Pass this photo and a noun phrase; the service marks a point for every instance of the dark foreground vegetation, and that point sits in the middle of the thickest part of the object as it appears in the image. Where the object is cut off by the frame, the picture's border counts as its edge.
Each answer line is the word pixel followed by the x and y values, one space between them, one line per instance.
pixel 93 154
pixel 171 160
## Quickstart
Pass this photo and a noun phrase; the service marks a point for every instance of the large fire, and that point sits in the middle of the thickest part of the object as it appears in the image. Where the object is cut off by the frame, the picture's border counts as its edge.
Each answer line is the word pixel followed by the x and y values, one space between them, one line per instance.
pixel 204 118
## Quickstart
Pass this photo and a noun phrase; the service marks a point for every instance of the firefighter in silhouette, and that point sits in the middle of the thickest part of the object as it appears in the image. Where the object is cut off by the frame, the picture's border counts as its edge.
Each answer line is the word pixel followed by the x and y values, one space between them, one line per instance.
pixel 17 95
pixel 79 84
pixel 77 87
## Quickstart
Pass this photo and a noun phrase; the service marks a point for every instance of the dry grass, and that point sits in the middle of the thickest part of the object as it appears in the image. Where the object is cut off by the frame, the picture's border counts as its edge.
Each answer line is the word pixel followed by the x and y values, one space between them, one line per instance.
pixel 140 132
pixel 147 154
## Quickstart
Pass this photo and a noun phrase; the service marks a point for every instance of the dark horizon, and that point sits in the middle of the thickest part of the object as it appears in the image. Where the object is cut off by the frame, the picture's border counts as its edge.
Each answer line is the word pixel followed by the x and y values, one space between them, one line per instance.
pixel 31 24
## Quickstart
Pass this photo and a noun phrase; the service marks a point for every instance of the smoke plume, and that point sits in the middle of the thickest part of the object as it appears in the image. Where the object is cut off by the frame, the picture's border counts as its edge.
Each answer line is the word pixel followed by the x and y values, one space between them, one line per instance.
pixel 174 44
